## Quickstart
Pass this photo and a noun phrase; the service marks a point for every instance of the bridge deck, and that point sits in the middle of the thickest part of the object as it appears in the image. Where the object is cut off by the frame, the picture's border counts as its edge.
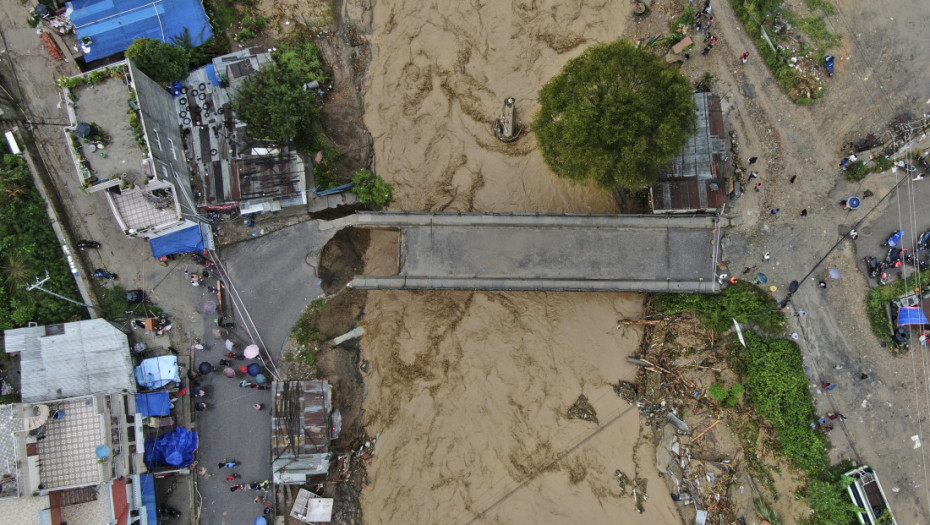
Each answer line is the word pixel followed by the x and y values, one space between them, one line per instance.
pixel 549 252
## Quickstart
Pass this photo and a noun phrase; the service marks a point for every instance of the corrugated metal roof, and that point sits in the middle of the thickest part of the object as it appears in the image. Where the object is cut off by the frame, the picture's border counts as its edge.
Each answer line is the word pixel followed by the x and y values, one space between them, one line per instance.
pixel 696 179
pixel 90 357
pixel 300 417
pixel 113 25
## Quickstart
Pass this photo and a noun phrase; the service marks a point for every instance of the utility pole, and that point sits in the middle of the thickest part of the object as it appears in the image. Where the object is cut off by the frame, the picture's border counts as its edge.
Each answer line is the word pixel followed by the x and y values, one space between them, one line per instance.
pixel 38 286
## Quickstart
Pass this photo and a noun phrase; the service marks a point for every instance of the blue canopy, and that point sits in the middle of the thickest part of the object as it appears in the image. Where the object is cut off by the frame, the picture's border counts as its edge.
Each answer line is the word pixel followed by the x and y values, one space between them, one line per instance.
pixel 182 241
pixel 156 372
pixel 908 315
pixel 147 484
pixel 154 404
pixel 175 448
pixel 211 74
pixel 113 25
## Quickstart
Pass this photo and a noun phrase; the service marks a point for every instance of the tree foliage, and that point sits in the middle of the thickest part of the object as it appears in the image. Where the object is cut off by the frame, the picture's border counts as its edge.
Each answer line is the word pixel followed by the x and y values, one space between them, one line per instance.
pixel 372 190
pixel 741 301
pixel 614 115
pixel 830 502
pixel 274 102
pixel 161 61
pixel 29 248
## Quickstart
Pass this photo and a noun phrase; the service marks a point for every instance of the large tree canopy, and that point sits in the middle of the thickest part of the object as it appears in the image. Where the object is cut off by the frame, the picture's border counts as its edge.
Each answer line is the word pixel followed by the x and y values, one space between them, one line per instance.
pixel 614 115
pixel 274 102
pixel 162 62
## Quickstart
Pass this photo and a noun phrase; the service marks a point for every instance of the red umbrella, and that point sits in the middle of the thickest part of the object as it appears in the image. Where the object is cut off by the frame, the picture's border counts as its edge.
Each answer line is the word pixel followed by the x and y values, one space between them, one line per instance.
pixel 244 369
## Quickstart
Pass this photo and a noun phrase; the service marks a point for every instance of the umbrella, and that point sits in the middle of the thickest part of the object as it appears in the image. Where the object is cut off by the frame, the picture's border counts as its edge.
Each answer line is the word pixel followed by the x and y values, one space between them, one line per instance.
pixel 835 274
pixel 209 307
pixel 250 352
pixel 244 369
pixel 260 521
pixel 261 379
pixel 205 368
pixel 793 286
pixel 853 203
pixel 229 372
pixel 229 345
pixel 762 278
pixel 255 369
pixel 200 407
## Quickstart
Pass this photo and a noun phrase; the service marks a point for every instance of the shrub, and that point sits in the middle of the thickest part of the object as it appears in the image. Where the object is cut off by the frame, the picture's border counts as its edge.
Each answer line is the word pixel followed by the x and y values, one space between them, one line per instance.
pixel 741 301
pixel 718 392
pixel 372 190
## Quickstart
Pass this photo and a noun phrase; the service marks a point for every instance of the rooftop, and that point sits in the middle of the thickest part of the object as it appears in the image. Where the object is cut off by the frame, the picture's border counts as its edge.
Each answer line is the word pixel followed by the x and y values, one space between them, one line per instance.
pixel 228 168
pixel 67 455
pixel 113 26
pixel 9 456
pixel 72 359
pixel 696 178
pixel 300 417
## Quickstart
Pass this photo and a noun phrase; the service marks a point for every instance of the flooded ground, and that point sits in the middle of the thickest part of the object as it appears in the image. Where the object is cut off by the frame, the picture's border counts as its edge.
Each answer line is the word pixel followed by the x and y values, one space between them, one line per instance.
pixel 469 392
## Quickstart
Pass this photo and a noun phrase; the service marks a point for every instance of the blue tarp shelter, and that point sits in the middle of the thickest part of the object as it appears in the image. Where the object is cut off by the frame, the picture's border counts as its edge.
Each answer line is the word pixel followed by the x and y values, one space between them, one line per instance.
pixel 211 74
pixel 175 448
pixel 147 485
pixel 112 25
pixel 908 315
pixel 189 239
pixel 156 372
pixel 154 404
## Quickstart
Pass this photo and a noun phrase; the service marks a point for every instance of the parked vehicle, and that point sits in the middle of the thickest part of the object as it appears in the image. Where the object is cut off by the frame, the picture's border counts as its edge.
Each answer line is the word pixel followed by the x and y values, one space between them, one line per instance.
pixel 169 512
pixel 894 239
pixel 867 494
pixel 100 273
pixel 923 242
pixel 201 260
pixel 873 265
pixel 85 244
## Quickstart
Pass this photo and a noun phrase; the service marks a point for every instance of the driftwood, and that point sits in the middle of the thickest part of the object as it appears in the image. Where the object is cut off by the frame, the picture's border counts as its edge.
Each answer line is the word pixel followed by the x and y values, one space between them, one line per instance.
pixel 706 430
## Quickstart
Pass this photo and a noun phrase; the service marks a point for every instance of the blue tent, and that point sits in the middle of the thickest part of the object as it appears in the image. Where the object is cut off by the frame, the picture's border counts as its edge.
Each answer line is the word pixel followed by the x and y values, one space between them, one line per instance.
pixel 154 404
pixel 175 448
pixel 908 315
pixel 112 25
pixel 156 372
pixel 189 239
pixel 147 486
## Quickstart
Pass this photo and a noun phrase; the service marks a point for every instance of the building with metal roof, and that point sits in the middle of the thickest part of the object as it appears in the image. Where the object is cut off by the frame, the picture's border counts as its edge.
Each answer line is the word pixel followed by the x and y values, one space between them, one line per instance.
pixel 72 359
pixel 301 430
pixel 107 27
pixel 696 181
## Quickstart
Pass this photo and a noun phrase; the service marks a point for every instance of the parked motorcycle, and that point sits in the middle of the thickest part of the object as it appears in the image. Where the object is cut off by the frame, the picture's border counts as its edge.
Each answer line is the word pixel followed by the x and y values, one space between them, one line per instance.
pixel 100 273
pixel 894 239
pixel 923 242
pixel 201 260
pixel 85 244
pixel 883 279
pixel 830 63
pixel 873 265
pixel 229 463
pixel 170 512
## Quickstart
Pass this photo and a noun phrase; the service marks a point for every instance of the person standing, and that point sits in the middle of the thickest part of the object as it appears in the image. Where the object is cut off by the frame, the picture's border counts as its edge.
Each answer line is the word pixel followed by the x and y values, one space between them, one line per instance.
pixel 744 57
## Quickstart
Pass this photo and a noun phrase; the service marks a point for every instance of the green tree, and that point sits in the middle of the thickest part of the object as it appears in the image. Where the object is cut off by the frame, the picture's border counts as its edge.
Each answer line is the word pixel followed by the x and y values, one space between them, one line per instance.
pixel 372 190
pixel 161 61
pixel 614 115
pixel 274 102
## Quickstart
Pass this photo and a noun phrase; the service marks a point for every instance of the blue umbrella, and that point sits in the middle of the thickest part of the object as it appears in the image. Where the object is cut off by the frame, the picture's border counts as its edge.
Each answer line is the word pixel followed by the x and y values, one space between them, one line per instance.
pixel 762 278
pixel 261 379
pixel 255 369
pixel 853 203
pixel 260 521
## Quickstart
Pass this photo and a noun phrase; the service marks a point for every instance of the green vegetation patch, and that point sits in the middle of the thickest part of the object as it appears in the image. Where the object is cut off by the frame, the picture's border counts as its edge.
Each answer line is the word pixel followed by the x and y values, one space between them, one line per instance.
pixel 778 389
pixel 28 249
pixel 614 115
pixel 741 301
pixel 880 296
pixel 306 333
pixel 372 190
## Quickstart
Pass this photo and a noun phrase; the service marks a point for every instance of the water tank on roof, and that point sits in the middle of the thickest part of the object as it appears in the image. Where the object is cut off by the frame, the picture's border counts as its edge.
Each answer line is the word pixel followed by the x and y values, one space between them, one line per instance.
pixel 84 130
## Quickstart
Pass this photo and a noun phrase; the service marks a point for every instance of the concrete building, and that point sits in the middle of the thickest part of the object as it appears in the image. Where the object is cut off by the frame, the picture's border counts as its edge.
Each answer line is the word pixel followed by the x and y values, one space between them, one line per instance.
pixel 73 452
pixel 697 180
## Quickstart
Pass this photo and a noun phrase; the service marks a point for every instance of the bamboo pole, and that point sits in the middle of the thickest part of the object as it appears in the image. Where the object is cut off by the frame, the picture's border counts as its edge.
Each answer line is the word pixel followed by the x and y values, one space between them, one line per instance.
pixel 706 430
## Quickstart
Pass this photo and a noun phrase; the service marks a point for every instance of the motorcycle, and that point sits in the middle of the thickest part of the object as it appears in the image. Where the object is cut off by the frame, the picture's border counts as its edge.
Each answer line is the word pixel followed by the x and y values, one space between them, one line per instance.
pixel 85 244
pixel 874 266
pixel 170 512
pixel 894 258
pixel 894 239
pixel 100 273
pixel 923 242
pixel 830 62
pixel 201 260
pixel 229 463
pixel 883 279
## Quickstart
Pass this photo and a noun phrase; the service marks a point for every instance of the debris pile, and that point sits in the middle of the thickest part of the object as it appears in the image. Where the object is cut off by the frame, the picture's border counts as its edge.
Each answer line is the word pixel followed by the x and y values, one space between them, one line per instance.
pixel 582 409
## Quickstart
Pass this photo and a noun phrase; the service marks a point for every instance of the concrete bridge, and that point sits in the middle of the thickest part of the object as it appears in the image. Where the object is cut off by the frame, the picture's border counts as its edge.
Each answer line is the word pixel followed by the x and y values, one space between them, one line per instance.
pixel 607 253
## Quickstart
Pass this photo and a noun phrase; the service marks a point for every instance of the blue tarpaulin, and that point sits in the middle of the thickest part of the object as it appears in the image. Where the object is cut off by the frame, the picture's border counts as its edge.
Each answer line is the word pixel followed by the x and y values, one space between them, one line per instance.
pixel 187 240
pixel 175 449
pixel 908 315
pixel 147 486
pixel 154 404
pixel 112 25
pixel 156 372
pixel 211 74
